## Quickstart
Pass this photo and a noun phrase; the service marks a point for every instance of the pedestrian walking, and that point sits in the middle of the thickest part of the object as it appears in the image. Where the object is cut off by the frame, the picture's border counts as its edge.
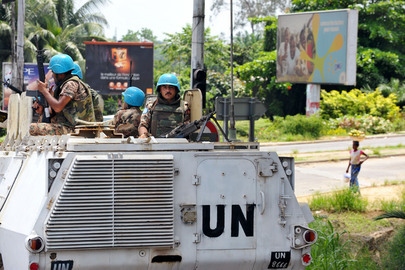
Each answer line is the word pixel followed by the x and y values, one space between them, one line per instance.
pixel 355 162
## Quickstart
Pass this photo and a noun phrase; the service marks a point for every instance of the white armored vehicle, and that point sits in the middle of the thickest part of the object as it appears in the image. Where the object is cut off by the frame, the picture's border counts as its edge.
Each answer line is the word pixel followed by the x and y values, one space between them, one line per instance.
pixel 96 200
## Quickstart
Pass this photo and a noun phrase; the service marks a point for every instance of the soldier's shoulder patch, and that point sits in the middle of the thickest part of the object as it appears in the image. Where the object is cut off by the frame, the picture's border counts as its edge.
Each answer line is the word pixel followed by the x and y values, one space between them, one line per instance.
pixel 145 110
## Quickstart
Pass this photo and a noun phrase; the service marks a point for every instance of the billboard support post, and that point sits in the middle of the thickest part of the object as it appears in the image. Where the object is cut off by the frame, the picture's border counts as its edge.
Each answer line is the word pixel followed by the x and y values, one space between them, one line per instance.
pixel 313 98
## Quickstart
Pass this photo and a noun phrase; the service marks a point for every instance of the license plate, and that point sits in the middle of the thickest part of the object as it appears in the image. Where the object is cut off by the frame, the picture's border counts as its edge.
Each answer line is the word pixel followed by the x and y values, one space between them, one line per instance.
pixel 62 265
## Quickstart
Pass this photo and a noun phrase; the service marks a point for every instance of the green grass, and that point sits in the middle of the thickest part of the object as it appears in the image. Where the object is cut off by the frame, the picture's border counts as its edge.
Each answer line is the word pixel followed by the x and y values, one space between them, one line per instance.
pixel 338 223
pixel 339 201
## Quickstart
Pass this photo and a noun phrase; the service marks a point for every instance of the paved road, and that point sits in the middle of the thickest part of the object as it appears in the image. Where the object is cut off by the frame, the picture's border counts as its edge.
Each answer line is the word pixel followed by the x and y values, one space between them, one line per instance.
pixel 327 176
pixel 315 146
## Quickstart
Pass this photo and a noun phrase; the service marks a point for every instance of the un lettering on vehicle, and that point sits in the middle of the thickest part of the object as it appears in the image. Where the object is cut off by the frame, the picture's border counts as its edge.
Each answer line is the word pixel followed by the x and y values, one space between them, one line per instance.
pixel 226 196
pixel 62 265
pixel 279 260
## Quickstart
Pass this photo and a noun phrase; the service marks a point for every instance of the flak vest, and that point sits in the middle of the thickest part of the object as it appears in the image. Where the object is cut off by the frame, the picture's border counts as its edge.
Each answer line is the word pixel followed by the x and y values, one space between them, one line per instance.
pixel 77 109
pixel 166 117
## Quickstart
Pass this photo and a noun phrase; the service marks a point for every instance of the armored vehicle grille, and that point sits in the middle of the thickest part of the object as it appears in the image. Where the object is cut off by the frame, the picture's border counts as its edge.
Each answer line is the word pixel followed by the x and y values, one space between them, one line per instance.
pixel 108 203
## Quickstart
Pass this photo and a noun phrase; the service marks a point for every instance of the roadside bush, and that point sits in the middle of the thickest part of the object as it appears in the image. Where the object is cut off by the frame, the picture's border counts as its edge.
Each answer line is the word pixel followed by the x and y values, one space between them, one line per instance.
pixel 366 123
pixel 290 128
pixel 336 104
pixel 310 127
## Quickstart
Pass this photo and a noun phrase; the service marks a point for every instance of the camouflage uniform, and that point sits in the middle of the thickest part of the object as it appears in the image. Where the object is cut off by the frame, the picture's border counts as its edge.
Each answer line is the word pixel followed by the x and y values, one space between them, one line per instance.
pixel 160 117
pixel 80 107
pixel 127 121
pixel 98 104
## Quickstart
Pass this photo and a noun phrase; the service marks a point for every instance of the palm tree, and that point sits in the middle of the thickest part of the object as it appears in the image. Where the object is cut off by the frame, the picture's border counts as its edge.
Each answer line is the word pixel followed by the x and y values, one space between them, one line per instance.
pixel 5 33
pixel 55 26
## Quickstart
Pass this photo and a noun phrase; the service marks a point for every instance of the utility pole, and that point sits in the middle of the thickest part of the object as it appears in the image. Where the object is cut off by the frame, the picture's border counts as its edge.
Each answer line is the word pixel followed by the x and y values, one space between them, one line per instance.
pixel 197 40
pixel 198 76
pixel 232 129
pixel 17 43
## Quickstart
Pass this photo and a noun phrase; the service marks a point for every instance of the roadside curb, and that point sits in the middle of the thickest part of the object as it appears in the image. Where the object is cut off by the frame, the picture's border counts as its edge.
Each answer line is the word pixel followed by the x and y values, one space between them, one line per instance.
pixel 333 139
pixel 346 159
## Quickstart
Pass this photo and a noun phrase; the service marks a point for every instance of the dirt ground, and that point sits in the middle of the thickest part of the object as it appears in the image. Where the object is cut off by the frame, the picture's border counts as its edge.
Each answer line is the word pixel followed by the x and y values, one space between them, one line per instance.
pixel 375 193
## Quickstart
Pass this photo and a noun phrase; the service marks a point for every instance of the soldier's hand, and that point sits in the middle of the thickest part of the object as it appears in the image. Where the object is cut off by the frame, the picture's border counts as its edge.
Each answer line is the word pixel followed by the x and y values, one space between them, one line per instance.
pixel 42 87
pixel 144 135
pixel 38 108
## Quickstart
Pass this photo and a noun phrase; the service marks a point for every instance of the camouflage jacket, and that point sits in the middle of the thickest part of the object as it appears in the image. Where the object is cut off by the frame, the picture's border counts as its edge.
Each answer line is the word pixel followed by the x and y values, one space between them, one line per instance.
pixel 127 121
pixel 81 104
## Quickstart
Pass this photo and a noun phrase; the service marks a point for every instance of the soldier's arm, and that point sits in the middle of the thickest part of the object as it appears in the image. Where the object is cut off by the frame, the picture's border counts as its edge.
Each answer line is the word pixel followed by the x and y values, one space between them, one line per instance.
pixel 144 125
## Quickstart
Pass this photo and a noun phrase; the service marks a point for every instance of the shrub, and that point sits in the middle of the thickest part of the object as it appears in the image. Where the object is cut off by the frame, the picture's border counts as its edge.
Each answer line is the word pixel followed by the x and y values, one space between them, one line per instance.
pixel 366 123
pixel 310 127
pixel 335 104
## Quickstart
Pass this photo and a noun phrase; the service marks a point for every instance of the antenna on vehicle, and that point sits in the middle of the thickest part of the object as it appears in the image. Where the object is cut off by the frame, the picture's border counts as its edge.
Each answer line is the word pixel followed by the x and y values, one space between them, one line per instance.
pixel 130 74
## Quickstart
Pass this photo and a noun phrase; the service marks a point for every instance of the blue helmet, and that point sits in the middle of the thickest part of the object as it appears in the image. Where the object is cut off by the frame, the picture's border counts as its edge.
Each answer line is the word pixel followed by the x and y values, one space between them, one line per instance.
pixel 61 63
pixel 133 96
pixel 77 71
pixel 168 79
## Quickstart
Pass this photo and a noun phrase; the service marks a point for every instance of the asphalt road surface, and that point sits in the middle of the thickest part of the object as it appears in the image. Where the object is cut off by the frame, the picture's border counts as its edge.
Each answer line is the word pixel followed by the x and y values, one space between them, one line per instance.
pixel 314 177
pixel 328 176
pixel 315 146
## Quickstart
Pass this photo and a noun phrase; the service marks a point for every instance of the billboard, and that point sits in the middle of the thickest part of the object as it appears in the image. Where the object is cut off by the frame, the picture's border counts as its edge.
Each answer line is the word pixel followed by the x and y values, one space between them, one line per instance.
pixel 109 65
pixel 317 47
pixel 30 77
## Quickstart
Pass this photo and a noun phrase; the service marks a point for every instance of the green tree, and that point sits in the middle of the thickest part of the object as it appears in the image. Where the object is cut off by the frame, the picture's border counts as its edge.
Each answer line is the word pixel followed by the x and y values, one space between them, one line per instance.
pixel 6 12
pixel 394 87
pixel 246 47
pixel 175 55
pixel 55 26
pixel 246 10
pixel 259 77
pixel 144 34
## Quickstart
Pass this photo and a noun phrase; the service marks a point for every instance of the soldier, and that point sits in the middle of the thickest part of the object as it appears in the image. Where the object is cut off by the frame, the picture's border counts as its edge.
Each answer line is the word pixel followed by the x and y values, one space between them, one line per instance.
pixel 98 102
pixel 126 121
pixel 69 102
pixel 166 112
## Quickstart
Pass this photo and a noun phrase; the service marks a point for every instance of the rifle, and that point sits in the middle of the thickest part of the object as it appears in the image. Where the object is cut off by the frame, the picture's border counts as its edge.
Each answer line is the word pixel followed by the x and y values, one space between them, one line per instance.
pixel 46 118
pixel 4 114
pixel 184 130
pixel 9 85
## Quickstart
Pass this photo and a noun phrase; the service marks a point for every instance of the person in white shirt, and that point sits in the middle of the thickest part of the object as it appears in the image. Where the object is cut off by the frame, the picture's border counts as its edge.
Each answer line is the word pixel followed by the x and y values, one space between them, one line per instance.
pixel 355 162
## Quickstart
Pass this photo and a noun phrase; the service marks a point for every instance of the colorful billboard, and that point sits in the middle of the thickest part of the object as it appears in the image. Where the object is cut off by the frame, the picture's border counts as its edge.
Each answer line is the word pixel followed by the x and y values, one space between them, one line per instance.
pixel 317 47
pixel 109 66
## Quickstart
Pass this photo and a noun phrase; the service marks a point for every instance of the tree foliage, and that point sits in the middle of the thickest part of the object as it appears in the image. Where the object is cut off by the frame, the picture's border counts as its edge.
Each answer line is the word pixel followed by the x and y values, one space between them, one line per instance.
pixel 176 49
pixel 56 26
pixel 144 34
pixel 246 10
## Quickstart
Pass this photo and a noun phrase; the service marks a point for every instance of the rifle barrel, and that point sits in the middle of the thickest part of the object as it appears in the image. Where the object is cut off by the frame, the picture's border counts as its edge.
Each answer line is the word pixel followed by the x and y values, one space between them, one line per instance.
pixel 12 87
